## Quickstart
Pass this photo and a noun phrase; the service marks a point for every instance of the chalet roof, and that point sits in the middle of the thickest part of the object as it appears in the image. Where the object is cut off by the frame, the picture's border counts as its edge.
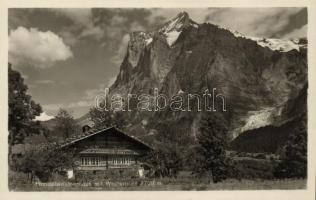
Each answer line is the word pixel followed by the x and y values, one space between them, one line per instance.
pixel 93 132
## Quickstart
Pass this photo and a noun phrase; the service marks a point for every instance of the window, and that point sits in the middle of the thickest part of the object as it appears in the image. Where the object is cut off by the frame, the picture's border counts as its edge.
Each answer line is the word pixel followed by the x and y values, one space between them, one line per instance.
pixel 91 161
pixel 102 160
pixel 124 160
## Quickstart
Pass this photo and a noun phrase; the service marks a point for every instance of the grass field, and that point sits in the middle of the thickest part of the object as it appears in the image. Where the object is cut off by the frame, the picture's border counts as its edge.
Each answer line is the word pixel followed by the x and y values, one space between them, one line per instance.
pixel 289 184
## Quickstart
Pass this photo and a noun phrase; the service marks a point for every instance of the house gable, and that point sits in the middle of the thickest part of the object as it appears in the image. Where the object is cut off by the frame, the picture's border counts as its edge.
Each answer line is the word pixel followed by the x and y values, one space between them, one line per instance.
pixel 112 139
pixel 106 149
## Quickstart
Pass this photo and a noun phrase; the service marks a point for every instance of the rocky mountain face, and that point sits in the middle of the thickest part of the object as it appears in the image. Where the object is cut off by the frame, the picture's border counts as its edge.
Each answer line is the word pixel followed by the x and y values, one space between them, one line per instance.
pixel 262 79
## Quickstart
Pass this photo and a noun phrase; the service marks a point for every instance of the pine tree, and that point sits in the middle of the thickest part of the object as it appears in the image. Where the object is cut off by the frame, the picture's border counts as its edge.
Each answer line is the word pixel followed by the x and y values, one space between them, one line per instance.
pixel 210 153
pixel 171 150
pixel 66 123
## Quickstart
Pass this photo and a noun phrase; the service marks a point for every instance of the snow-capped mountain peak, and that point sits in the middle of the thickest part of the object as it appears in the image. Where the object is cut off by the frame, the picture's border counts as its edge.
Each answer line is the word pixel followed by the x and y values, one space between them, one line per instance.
pixel 272 43
pixel 174 27
pixel 278 44
pixel 177 23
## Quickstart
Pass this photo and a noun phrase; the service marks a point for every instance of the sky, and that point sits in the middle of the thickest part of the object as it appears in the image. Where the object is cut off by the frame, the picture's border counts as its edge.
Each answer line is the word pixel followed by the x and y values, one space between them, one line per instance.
pixel 68 56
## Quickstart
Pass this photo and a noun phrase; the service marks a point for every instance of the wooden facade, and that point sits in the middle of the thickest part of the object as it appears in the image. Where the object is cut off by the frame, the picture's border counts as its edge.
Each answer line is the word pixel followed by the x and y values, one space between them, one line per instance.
pixel 107 149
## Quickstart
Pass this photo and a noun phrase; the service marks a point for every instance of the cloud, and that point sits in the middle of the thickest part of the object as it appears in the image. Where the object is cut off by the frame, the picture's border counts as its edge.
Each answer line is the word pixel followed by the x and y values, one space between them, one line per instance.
pixel 109 26
pixel 83 20
pixel 136 26
pixel 297 33
pixel 43 117
pixel 37 48
pixel 94 31
pixel 121 51
pixel 80 16
pixel 161 15
pixel 117 19
pixel 111 81
pixel 68 37
pixel 261 22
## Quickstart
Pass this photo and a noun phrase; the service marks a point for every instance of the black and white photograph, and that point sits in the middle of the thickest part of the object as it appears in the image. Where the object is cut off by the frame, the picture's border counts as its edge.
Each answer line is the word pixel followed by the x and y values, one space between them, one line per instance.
pixel 157 99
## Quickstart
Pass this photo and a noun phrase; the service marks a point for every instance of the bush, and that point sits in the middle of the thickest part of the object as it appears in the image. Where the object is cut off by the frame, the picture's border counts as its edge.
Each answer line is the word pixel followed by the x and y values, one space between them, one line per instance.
pixel 43 162
pixel 294 158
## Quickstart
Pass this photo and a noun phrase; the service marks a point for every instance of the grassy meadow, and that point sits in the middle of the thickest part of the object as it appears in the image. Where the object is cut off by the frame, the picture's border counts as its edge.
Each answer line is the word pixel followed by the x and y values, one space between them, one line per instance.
pixel 288 184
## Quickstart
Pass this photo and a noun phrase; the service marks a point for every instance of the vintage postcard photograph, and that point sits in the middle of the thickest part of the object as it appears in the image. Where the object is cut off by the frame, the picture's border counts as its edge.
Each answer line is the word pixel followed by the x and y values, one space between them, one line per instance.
pixel 157 99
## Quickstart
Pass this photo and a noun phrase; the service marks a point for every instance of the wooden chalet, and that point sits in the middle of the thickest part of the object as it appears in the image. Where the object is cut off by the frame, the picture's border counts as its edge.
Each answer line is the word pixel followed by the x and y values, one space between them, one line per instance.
pixel 106 151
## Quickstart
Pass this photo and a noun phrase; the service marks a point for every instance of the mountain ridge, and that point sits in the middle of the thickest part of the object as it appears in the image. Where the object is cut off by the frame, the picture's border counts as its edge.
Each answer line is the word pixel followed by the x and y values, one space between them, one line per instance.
pixel 257 80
